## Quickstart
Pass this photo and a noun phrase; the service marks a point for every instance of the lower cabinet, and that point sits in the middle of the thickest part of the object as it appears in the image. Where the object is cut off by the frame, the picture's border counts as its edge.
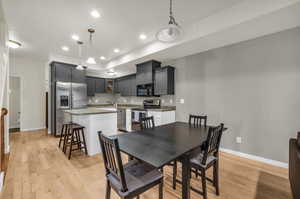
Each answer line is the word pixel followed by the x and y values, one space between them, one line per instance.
pixel 162 117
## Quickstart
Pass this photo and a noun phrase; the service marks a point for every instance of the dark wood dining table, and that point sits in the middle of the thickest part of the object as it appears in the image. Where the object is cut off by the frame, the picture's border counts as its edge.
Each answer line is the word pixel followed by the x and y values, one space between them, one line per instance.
pixel 160 145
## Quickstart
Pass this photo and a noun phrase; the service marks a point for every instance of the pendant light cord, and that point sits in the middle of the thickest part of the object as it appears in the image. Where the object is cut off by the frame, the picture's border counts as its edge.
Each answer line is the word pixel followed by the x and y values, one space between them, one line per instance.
pixel 171 5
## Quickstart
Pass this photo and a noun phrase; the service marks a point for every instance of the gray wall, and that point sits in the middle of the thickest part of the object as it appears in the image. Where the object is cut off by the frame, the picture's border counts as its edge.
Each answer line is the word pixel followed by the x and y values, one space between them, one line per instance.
pixel 253 87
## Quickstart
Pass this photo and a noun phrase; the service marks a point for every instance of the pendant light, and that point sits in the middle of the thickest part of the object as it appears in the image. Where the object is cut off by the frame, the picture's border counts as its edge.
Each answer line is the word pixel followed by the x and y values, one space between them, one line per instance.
pixel 91 60
pixel 80 66
pixel 172 31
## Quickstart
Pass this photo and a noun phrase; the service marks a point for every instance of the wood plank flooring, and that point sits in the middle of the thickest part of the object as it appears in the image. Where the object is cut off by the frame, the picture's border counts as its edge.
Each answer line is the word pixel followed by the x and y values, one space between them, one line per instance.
pixel 39 170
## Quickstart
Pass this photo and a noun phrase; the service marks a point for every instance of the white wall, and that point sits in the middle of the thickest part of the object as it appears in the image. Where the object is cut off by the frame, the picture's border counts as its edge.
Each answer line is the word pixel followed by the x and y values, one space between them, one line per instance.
pixel 14 101
pixel 32 74
pixel 252 86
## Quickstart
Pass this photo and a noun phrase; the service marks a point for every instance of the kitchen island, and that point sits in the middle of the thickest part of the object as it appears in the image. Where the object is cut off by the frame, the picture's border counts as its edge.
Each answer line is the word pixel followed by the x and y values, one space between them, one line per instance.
pixel 94 120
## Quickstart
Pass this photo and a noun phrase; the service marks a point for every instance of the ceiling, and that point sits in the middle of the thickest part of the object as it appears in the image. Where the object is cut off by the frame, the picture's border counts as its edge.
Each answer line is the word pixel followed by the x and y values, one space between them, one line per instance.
pixel 43 27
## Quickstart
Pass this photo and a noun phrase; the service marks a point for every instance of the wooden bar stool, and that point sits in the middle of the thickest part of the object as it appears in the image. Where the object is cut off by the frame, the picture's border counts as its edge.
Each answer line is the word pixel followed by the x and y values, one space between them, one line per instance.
pixel 63 134
pixel 75 136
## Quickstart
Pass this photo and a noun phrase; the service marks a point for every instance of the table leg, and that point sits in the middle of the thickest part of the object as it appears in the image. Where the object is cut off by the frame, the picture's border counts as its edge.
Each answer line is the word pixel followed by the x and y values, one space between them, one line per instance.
pixel 186 177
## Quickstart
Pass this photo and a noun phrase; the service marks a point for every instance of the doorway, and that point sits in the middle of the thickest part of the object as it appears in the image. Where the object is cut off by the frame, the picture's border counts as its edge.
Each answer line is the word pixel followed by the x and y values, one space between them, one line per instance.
pixel 14 104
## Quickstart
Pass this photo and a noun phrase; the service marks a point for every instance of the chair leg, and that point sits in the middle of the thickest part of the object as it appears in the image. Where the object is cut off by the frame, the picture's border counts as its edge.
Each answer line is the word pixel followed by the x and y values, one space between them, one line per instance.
pixel 108 189
pixel 216 177
pixel 174 174
pixel 161 191
pixel 203 179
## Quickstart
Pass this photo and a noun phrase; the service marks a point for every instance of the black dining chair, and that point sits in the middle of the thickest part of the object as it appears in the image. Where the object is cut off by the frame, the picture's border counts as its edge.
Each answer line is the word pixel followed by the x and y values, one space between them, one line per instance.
pixel 148 122
pixel 209 158
pixel 197 120
pixel 129 180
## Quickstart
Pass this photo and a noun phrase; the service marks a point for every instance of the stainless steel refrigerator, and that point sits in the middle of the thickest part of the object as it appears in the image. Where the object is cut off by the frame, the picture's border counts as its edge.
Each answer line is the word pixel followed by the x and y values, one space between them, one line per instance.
pixel 66 96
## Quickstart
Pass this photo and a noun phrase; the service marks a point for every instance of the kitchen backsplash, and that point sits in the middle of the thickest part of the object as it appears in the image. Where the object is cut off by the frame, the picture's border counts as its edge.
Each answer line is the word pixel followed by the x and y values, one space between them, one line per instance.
pixel 103 98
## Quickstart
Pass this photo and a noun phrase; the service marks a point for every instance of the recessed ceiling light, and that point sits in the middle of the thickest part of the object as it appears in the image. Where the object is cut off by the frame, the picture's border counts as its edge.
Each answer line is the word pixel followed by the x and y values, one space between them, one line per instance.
pixel 75 37
pixel 116 50
pixel 143 36
pixel 14 44
pixel 103 58
pixel 95 14
pixel 65 48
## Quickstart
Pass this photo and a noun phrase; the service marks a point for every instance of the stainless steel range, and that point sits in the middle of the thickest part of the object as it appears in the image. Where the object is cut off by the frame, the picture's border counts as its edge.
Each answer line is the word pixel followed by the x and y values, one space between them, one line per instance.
pixel 142 112
pixel 66 96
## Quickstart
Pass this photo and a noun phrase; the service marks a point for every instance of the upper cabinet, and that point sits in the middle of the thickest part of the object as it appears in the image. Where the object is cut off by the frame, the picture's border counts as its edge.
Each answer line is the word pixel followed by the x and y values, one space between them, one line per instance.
pixel 126 86
pixel 91 86
pixel 95 85
pixel 78 76
pixel 145 72
pixel 63 72
pixel 164 83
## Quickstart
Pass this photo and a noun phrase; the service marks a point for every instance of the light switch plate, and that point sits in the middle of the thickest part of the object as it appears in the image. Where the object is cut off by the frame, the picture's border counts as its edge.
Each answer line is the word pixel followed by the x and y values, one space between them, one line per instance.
pixel 181 101
pixel 239 140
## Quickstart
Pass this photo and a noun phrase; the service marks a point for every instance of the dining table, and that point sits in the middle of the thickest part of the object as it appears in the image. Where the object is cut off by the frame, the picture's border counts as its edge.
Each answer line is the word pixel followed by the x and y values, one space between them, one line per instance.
pixel 161 145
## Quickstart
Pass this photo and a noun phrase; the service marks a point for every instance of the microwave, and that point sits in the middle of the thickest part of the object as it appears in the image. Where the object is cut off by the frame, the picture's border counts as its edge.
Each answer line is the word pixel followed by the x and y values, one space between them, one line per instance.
pixel 146 90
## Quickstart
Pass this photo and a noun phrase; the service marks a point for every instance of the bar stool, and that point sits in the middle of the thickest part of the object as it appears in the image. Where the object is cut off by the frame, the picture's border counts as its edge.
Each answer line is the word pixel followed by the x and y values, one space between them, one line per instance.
pixel 64 132
pixel 75 136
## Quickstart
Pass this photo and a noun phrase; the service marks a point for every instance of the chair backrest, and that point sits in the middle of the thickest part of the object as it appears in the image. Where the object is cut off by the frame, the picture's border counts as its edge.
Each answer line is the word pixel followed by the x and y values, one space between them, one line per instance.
pixel 213 142
pixel 112 159
pixel 147 122
pixel 197 120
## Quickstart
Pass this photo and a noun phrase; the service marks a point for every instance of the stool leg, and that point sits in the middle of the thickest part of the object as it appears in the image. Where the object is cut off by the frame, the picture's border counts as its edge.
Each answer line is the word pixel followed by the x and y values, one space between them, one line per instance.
pixel 71 144
pixel 61 135
pixel 84 143
pixel 66 138
pixel 78 139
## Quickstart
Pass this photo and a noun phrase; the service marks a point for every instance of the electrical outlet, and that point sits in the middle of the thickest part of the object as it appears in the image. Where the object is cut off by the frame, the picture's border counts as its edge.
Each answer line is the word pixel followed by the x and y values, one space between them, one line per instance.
pixel 181 101
pixel 239 140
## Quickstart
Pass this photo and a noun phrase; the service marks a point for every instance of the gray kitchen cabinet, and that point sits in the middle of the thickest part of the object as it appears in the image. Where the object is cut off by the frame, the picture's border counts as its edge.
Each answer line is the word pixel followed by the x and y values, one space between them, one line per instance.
pixel 95 85
pixel 126 86
pixel 62 72
pixel 91 86
pixel 164 83
pixel 78 76
pixel 100 85
pixel 145 71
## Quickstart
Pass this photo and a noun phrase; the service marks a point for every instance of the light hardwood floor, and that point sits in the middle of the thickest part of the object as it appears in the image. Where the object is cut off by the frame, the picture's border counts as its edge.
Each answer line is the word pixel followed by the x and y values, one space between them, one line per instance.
pixel 39 170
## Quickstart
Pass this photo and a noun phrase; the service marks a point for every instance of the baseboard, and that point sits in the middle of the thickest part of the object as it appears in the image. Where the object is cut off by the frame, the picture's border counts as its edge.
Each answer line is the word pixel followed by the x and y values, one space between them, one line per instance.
pixel 1 180
pixel 257 158
pixel 33 129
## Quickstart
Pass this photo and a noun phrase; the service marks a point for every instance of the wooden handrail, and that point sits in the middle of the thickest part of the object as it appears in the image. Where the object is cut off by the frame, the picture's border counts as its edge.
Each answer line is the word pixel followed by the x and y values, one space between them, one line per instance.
pixel 3 113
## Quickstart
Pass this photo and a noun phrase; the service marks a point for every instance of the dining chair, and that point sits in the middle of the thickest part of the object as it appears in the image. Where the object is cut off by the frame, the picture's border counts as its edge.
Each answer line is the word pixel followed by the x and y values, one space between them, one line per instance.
pixel 148 122
pixel 209 158
pixel 197 120
pixel 129 180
